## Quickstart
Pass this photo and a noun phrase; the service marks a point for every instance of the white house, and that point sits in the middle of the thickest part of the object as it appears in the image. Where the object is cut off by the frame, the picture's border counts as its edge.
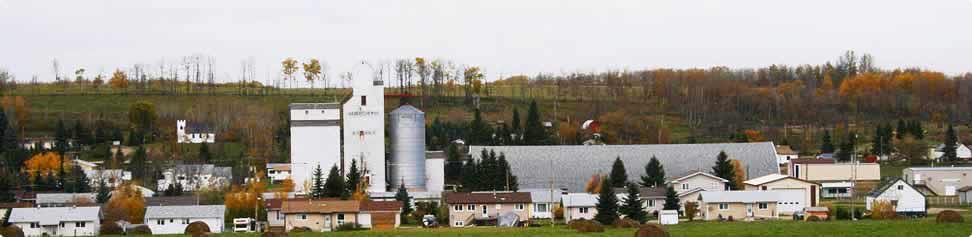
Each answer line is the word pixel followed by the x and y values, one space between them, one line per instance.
pixel 111 177
pixel 57 221
pixel 961 151
pixel 579 206
pixel 194 177
pixel 785 153
pixel 194 132
pixel 703 180
pixel 174 219
pixel 278 172
pixel 905 198
pixel 544 202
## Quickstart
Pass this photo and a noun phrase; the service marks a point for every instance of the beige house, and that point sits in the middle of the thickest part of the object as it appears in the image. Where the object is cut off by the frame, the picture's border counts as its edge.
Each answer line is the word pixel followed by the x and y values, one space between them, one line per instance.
pixel 319 215
pixel 740 205
pixel 485 207
pixel 805 193
pixel 702 180
pixel 938 181
pixel 579 206
pixel 836 179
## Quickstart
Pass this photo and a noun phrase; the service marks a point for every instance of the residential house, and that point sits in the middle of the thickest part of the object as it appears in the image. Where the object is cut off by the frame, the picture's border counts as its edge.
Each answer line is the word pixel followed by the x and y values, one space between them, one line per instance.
pixel 187 132
pixel 784 154
pixel 175 219
pixel 278 172
pixel 380 215
pixel 579 206
pixel 66 199
pixel 275 216
pixel 652 199
pixel 172 201
pixel 938 181
pixel 836 179
pixel 807 193
pixel 194 177
pixel 962 152
pixel 319 215
pixel 57 221
pixel 485 207
pixel 905 199
pixel 545 201
pixel 698 179
pixel 111 177
pixel 739 205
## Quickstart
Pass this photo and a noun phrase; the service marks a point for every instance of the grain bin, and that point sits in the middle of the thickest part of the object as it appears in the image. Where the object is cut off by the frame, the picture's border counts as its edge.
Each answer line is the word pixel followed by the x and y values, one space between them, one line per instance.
pixel 407 135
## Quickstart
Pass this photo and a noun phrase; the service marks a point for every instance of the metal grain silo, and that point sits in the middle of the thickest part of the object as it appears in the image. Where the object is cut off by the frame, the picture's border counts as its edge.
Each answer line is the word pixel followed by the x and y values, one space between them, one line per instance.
pixel 407 135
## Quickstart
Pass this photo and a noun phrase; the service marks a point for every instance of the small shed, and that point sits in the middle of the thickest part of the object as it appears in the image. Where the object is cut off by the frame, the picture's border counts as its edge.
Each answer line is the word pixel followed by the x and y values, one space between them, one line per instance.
pixel 668 217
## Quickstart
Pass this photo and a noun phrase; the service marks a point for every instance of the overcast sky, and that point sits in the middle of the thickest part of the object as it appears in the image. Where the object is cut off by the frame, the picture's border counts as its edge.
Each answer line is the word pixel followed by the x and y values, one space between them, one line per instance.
pixel 505 37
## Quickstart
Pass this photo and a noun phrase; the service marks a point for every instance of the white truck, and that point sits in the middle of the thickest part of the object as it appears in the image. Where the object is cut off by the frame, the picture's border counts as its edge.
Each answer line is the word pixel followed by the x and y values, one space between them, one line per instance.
pixel 244 225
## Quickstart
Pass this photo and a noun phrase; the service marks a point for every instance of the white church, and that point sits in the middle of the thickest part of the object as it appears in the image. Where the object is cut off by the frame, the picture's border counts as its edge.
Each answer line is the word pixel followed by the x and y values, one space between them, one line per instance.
pixel 194 132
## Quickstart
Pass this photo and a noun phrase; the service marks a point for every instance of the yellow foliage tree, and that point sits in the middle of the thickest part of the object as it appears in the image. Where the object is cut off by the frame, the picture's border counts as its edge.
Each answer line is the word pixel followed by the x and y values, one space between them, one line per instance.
pixel 882 210
pixel 46 163
pixel 740 177
pixel 594 184
pixel 118 80
pixel 126 203
pixel 20 108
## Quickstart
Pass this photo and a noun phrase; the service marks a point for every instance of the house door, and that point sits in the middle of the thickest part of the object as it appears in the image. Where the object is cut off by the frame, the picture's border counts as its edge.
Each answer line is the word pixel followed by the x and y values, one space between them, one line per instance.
pixel 813 196
pixel 327 222
pixel 749 210
pixel 485 213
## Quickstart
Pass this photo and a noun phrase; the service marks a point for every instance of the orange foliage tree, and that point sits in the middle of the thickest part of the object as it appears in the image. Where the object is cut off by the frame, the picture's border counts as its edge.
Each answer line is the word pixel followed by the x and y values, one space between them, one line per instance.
pixel 740 174
pixel 126 203
pixel 241 201
pixel 46 163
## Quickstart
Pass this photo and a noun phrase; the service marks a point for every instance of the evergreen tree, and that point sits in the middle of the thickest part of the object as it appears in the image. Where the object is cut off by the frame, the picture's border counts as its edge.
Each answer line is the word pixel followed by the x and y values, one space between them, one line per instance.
pixel 60 138
pixel 79 181
pixel 724 169
pixel 950 146
pixel 204 155
pixel 619 177
pixel 100 135
pixel 607 204
pixel 479 130
pixel 7 184
pixel 671 199
pixel 517 130
pixel 827 146
pixel 104 192
pixel 470 176
pixel 489 172
pixel 118 159
pixel 317 191
pixel 137 164
pixel 3 131
pixel 10 142
pixel 81 134
pixel 654 174
pixel 846 151
pixel 453 166
pixel 116 134
pixel 902 129
pixel 533 132
pixel 334 185
pixel 631 205
pixel 508 178
pixel 402 196
pixel 354 176
pixel 917 130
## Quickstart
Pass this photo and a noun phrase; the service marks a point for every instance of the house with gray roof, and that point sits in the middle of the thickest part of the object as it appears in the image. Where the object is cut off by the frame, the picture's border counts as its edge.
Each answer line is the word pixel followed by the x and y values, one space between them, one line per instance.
pixel 544 202
pixel 195 177
pixel 572 166
pixel 579 206
pixel 57 221
pixel 174 219
pixel 739 205
pixel 66 199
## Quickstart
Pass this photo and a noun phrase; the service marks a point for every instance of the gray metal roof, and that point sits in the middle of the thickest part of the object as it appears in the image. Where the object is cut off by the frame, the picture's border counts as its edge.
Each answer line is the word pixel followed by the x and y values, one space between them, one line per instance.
pixel 739 196
pixel 201 211
pixel 579 200
pixel 543 195
pixel 63 198
pixel 571 166
pixel 54 215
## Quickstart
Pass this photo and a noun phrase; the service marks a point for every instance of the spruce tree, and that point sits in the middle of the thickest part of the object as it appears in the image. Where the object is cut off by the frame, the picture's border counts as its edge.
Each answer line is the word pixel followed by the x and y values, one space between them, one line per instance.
pixel 671 199
pixel 950 146
pixel 724 169
pixel 510 180
pixel 607 204
pixel 204 155
pixel 902 129
pixel 10 143
pixel 917 130
pixel 534 133
pixel 631 206
pixel 137 164
pixel 453 166
pixel 60 138
pixel 470 178
pixel 7 184
pixel 334 185
pixel 478 130
pixel 654 174
pixel 317 190
pixel 827 145
pixel 104 192
pixel 516 129
pixel 846 151
pixel 402 196
pixel 619 177
pixel 354 176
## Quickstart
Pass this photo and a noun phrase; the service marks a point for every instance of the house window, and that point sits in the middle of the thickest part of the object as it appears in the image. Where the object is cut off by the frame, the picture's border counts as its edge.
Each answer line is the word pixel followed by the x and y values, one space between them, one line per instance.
pixel 80 224
pixel 185 221
pixel 471 207
pixel 763 206
pixel 723 206
pixel 34 225
pixel 583 210
pixel 651 203
pixel 540 207
pixel 458 223
pixel 160 222
pixel 171 221
pixel 518 206
pixel 763 187
pixel 340 219
pixel 364 100
pixel 457 208
pixel 303 216
pixel 900 187
pixel 684 186
pixel 62 224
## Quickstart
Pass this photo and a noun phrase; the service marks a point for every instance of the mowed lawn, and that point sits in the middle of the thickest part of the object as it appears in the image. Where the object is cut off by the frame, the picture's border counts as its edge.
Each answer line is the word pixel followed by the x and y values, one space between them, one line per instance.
pixel 904 228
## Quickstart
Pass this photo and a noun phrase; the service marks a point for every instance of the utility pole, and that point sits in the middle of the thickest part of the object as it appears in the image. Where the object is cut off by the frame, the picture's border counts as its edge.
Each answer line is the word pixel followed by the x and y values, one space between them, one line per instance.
pixel 853 190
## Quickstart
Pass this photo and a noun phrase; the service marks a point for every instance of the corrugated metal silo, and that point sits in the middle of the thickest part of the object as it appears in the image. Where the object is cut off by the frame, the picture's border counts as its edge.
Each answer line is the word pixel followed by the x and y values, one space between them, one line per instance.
pixel 407 135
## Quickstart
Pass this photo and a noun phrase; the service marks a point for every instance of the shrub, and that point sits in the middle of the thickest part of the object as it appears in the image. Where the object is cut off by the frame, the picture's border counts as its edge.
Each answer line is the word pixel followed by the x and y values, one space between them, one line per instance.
pixel 197 228
pixel 691 209
pixel 141 230
pixel 626 223
pixel 11 231
pixel 651 230
pixel 110 228
pixel 844 213
pixel 813 218
pixel 574 224
pixel 949 216
pixel 730 219
pixel 586 226
pixel 558 213
pixel 882 210
pixel 300 230
pixel 348 227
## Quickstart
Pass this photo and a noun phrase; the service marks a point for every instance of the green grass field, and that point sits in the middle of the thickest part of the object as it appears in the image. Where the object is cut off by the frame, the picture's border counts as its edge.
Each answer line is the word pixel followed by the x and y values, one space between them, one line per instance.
pixel 922 227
